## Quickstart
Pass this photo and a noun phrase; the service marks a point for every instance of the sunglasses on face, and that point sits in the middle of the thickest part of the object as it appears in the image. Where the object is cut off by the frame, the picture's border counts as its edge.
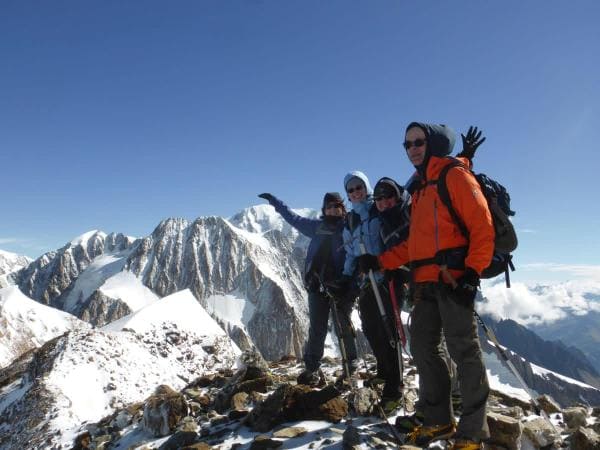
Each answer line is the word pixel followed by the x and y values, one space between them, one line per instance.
pixel 384 197
pixel 415 143
pixel 354 188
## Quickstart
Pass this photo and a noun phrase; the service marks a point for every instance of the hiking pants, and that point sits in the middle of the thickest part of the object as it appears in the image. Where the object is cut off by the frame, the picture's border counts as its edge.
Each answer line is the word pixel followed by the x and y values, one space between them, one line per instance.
pixel 435 310
pixel 375 331
pixel 318 314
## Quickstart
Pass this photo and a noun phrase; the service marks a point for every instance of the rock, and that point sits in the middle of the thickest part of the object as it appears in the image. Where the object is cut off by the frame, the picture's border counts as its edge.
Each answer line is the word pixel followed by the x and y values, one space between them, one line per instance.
pixel 178 440
pixel 505 431
pixel 516 412
pixel 364 401
pixel 596 411
pixel 290 432
pixel 123 419
pixel 540 432
pixel 82 441
pixel 548 404
pixel 334 410
pixel 239 400
pixel 297 402
pixel 585 439
pixel 351 438
pixel 575 417
pixel 261 442
pixel 198 446
pixel 163 410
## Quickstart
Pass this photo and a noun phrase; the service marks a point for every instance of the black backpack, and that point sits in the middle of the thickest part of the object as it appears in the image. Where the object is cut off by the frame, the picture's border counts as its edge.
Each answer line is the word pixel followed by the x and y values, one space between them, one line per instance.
pixel 498 201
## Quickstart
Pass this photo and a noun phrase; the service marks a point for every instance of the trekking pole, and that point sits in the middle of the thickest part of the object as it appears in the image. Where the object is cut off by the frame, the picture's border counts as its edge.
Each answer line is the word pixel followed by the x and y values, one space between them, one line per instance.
pixel 393 337
pixel 338 327
pixel 397 313
pixel 380 410
pixel 492 337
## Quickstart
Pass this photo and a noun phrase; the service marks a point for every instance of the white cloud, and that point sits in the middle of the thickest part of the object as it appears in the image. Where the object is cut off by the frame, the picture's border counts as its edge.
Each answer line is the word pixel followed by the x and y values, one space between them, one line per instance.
pixel 580 271
pixel 533 304
pixel 7 240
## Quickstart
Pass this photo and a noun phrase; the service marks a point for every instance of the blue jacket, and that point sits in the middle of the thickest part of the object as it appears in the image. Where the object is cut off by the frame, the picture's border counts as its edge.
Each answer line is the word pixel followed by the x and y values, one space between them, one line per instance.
pixel 318 230
pixel 362 227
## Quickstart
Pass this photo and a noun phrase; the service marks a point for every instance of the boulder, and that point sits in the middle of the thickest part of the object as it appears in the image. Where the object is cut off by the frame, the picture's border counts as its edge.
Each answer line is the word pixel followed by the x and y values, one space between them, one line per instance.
pixel 163 410
pixel 585 439
pixel 505 431
pixel 540 432
pixel 575 417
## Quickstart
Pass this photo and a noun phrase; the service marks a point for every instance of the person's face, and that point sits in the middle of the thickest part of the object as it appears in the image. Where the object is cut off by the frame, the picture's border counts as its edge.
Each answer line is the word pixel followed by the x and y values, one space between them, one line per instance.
pixel 415 144
pixel 334 209
pixel 356 190
pixel 382 203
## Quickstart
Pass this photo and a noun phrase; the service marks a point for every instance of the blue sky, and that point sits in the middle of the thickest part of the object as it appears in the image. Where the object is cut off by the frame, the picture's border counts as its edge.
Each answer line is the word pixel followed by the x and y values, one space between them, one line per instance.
pixel 115 115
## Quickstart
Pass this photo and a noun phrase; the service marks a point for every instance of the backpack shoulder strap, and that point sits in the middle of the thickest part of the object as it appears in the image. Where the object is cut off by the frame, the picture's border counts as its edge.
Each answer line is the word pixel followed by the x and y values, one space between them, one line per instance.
pixel 445 196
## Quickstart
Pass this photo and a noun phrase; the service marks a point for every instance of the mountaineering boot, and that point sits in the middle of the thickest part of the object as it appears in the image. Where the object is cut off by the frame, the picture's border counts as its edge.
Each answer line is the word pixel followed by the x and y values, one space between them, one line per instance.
pixel 465 444
pixel 406 424
pixel 309 377
pixel 423 435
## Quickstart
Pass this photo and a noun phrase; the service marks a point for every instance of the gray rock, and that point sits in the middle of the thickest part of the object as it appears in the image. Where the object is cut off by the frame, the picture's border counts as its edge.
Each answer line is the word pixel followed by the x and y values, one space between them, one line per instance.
pixel 540 432
pixel 505 431
pixel 364 401
pixel 585 439
pixel 290 432
pixel 178 440
pixel 351 438
pixel 575 417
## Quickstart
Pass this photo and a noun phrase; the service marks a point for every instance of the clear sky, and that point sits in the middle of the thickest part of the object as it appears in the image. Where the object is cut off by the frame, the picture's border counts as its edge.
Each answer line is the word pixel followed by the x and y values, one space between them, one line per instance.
pixel 115 115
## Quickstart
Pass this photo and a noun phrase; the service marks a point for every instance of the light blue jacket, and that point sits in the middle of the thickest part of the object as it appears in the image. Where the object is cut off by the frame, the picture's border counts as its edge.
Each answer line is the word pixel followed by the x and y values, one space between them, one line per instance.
pixel 362 227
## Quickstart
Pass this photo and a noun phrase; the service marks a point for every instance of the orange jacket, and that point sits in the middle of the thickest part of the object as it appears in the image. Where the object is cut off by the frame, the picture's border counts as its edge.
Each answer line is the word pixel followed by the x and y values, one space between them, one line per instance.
pixel 433 229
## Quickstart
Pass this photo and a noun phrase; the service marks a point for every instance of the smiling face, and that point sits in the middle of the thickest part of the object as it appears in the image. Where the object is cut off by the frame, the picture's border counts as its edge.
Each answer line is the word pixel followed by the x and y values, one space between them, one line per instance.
pixel 356 190
pixel 415 144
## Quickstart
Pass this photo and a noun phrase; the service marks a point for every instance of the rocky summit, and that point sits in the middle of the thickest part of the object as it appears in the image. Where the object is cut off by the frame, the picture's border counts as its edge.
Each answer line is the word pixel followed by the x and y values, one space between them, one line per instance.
pixel 260 406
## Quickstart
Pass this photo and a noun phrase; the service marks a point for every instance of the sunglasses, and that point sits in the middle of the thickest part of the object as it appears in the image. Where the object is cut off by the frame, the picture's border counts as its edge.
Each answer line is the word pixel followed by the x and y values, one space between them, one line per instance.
pixel 334 205
pixel 415 143
pixel 384 197
pixel 360 187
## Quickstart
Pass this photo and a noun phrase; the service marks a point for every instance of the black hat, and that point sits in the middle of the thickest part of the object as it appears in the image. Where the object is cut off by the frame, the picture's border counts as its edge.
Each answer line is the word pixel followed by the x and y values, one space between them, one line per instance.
pixel 332 197
pixel 386 187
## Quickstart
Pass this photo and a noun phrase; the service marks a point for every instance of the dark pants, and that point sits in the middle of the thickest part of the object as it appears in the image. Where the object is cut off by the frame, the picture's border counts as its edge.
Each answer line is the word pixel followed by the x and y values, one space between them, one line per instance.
pixel 374 329
pixel 435 310
pixel 318 313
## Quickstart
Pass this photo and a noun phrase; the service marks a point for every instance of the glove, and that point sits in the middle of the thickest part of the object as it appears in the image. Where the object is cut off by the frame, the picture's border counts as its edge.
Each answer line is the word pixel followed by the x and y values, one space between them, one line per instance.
pixel 367 262
pixel 466 290
pixel 268 197
pixel 470 142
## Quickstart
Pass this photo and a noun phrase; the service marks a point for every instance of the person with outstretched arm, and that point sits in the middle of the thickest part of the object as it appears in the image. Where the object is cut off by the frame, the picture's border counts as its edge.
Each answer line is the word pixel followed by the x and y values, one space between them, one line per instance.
pixel 324 264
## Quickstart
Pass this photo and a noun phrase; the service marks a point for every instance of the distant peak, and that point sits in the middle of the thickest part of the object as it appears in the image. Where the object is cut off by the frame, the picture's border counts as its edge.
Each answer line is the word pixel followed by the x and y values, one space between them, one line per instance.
pixel 85 237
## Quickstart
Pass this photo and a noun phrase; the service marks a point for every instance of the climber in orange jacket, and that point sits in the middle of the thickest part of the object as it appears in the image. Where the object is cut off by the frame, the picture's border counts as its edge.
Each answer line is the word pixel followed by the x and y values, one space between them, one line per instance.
pixel 445 269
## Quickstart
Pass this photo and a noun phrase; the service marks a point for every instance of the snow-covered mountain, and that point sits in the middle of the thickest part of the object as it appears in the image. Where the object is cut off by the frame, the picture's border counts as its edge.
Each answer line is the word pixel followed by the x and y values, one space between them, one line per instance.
pixel 10 263
pixel 52 278
pixel 26 324
pixel 246 271
pixel 568 312
pixel 85 375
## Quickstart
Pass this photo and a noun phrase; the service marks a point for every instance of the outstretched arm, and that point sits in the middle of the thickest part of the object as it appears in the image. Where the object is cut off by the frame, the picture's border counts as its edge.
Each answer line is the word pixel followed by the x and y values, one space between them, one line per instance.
pixel 304 225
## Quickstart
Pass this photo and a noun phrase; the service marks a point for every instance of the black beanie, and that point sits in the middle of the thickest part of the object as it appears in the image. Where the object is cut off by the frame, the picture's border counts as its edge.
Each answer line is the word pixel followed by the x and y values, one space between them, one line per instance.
pixel 386 186
pixel 332 197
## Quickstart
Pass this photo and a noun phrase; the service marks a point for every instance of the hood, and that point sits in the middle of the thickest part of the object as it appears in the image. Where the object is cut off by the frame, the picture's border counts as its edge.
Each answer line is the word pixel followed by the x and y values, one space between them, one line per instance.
pixel 440 140
pixel 362 176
